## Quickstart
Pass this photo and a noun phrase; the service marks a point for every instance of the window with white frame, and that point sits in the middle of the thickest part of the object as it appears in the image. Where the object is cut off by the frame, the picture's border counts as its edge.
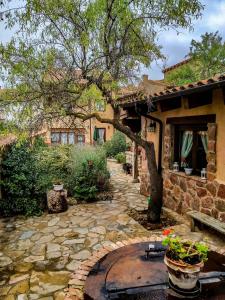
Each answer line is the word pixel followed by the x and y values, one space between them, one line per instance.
pixel 67 137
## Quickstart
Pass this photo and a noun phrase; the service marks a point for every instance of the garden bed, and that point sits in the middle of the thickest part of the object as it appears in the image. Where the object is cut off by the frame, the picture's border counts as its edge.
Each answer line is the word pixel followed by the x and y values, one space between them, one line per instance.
pixel 141 218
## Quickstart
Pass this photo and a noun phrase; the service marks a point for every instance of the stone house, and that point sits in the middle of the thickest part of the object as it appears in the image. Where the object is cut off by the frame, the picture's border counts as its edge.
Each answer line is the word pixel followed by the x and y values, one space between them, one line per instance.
pixel 187 126
pixel 66 130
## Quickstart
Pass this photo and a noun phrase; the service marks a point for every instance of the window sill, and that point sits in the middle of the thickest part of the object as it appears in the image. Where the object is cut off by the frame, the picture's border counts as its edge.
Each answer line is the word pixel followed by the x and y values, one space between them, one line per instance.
pixel 193 177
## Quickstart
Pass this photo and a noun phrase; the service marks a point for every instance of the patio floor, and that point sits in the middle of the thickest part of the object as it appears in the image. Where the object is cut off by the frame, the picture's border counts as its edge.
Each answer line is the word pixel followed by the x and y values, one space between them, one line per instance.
pixel 39 254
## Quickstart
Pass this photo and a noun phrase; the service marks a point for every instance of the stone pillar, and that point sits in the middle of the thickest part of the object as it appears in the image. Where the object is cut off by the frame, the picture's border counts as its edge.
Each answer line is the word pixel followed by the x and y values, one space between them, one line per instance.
pixel 211 154
pixel 167 153
pixel 135 163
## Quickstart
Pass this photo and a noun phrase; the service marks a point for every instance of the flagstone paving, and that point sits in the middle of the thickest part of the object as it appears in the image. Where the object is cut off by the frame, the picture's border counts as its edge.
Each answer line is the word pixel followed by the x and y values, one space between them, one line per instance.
pixel 39 254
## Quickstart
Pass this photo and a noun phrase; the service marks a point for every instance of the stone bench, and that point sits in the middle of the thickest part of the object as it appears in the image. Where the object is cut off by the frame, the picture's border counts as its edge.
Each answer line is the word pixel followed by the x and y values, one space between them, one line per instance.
pixel 211 222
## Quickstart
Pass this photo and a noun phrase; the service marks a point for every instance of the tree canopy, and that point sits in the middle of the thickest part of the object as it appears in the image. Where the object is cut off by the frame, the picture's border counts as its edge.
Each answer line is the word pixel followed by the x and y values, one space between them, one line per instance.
pixel 207 59
pixel 65 47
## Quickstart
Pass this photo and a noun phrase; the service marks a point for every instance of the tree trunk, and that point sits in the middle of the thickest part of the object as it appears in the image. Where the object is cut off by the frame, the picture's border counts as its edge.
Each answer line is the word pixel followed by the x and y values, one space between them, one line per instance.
pixel 156 185
pixel 135 162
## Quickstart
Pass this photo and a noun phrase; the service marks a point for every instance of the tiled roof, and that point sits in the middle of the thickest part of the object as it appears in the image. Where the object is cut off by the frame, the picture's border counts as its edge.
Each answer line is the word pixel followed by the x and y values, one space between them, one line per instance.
pixel 183 62
pixel 173 91
pixel 189 86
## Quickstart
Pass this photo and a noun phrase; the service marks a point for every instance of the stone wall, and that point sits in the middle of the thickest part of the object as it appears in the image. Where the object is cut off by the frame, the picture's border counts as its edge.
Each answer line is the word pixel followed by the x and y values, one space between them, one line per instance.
pixel 144 175
pixel 183 193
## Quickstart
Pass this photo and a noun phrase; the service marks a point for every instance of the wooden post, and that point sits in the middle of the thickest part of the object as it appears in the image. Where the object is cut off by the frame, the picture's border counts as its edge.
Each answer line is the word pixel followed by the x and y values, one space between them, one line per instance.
pixel 135 163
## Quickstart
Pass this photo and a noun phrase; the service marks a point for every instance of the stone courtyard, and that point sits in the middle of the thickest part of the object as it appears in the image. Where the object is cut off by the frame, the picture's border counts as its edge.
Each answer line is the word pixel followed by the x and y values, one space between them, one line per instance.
pixel 38 255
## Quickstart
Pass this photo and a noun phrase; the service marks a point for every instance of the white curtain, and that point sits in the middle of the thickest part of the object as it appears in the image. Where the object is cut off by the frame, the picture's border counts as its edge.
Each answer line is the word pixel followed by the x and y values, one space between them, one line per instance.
pixel 71 138
pixel 63 138
pixel 80 140
pixel 101 133
pixel 204 138
pixel 55 138
pixel 187 143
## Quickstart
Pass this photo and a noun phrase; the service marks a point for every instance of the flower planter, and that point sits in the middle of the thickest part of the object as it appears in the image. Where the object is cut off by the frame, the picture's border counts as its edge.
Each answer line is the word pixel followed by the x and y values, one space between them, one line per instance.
pixel 182 275
pixel 188 171
pixel 57 187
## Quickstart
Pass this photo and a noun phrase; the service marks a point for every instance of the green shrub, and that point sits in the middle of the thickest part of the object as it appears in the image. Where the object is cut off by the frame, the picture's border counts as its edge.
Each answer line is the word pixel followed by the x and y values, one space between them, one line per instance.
pixel 88 172
pixel 19 176
pixel 28 171
pixel 116 145
pixel 121 158
pixel 52 163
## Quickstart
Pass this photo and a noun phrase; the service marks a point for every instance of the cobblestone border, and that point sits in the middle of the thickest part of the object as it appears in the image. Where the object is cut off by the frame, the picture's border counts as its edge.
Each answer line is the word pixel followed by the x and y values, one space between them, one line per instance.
pixel 78 278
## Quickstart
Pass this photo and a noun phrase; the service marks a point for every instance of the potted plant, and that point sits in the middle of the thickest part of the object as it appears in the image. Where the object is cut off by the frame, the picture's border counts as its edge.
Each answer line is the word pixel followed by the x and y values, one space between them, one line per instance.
pixel 184 260
pixel 187 169
pixel 57 185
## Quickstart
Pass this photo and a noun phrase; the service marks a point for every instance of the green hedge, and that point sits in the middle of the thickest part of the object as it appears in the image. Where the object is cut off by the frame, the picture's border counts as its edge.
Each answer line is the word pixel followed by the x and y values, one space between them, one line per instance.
pixel 116 145
pixel 121 158
pixel 88 172
pixel 21 194
pixel 30 170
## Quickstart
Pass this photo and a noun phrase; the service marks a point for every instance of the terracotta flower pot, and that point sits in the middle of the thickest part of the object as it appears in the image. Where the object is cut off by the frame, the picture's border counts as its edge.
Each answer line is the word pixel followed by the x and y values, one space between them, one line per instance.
pixel 183 275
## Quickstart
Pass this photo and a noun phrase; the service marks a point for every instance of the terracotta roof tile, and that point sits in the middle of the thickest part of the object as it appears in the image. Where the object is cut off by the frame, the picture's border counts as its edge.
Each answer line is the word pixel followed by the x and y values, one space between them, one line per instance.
pixel 175 89
pixel 183 62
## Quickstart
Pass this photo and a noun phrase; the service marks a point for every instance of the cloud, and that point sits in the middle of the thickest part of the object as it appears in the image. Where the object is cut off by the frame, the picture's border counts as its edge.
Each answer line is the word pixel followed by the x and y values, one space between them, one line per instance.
pixel 176 47
pixel 216 19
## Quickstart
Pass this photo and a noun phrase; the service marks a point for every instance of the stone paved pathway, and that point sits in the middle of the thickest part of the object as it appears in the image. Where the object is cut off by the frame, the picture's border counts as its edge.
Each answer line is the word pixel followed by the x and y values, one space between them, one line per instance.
pixel 39 254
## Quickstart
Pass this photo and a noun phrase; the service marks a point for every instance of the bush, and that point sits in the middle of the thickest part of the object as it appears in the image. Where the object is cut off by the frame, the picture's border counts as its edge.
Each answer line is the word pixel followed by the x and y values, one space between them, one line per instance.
pixel 28 171
pixel 52 163
pixel 121 158
pixel 116 145
pixel 88 172
pixel 19 176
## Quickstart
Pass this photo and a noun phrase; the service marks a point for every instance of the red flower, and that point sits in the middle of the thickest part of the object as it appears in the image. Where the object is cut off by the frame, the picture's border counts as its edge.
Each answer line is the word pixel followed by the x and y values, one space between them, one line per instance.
pixel 167 231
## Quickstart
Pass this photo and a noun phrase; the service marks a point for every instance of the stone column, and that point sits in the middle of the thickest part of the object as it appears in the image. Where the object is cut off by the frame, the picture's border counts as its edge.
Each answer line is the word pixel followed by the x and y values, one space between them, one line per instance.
pixel 211 154
pixel 167 151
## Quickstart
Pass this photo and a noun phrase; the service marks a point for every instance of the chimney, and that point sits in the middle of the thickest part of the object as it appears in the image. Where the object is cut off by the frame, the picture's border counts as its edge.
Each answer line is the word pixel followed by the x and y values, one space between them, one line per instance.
pixel 144 77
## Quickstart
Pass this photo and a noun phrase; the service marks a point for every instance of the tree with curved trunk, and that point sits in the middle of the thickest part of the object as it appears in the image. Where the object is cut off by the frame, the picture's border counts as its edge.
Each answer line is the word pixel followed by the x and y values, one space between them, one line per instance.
pixel 67 54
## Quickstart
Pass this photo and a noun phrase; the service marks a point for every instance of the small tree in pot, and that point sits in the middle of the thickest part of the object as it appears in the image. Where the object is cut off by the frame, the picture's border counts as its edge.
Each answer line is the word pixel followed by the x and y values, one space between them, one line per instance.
pixel 184 260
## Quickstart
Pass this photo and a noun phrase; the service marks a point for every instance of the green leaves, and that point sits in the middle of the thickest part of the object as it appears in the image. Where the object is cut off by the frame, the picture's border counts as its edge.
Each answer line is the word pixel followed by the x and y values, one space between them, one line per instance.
pixel 116 145
pixel 183 75
pixel 209 54
pixel 186 251
pixel 19 178
pixel 207 59
pixel 108 41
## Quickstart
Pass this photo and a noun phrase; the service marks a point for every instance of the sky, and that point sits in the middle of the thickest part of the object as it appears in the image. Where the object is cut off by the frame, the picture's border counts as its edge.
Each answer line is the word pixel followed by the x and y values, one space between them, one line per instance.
pixel 175 47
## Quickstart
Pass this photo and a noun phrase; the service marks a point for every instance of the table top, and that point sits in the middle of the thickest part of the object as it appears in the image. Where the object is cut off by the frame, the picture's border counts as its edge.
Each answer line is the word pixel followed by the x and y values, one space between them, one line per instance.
pixel 126 273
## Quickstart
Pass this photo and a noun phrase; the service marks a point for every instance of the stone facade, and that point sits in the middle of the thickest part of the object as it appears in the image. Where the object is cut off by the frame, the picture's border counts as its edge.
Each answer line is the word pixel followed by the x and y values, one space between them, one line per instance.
pixel 182 193
pixel 144 175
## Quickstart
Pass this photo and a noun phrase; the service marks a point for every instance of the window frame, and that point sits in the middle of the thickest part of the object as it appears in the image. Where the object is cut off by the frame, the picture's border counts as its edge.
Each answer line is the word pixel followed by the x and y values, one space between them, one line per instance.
pixel 67 132
pixel 102 128
pixel 178 130
pixel 100 106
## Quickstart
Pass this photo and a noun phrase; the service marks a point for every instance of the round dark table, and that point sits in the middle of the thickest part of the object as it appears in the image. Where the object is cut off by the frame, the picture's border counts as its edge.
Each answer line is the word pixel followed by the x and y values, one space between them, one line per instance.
pixel 126 273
